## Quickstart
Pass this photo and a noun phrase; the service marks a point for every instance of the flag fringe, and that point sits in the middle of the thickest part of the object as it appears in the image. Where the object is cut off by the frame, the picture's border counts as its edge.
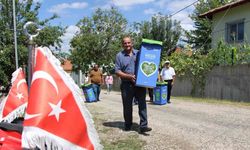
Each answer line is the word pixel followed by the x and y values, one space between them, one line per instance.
pixel 17 113
pixel 2 107
pixel 38 138
pixel 94 138
pixel 14 75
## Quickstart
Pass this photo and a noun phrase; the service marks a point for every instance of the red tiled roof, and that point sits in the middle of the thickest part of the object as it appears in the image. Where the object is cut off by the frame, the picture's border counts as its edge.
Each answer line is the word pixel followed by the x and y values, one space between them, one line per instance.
pixel 211 12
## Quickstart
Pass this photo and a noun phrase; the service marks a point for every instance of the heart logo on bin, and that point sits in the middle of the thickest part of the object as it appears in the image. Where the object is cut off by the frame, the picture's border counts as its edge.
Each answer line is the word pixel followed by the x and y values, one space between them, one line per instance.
pixel 164 96
pixel 148 68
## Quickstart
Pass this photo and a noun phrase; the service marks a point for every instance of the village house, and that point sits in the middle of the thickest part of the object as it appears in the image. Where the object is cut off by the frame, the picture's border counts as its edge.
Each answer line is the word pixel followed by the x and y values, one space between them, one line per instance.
pixel 231 23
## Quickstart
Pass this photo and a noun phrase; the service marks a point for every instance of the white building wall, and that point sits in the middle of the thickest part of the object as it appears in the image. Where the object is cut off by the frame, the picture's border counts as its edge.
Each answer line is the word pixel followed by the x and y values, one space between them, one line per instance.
pixel 230 15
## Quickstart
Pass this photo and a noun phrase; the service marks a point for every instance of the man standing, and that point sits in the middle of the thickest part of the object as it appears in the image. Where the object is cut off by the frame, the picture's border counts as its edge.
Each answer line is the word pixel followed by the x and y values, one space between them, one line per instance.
pixel 168 75
pixel 96 80
pixel 125 69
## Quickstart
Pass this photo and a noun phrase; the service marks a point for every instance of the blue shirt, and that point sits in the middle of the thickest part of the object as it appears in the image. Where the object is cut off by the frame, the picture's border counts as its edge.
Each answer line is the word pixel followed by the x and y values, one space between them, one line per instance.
pixel 126 63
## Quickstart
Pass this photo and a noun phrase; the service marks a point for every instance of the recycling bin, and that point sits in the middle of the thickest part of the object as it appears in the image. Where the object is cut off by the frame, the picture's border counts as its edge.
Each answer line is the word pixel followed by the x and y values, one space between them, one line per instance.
pixel 147 63
pixel 88 93
pixel 160 93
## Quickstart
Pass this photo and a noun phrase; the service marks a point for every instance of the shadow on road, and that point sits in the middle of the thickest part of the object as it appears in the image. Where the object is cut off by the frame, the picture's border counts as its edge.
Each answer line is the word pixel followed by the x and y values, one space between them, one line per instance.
pixel 120 125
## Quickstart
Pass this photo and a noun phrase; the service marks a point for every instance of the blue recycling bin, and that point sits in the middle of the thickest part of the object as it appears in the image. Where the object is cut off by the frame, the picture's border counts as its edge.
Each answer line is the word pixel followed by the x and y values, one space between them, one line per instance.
pixel 147 63
pixel 88 93
pixel 160 93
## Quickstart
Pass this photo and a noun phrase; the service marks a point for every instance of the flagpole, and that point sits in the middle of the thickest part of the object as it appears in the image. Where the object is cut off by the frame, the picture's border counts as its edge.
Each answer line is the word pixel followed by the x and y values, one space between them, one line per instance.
pixel 31 46
pixel 15 38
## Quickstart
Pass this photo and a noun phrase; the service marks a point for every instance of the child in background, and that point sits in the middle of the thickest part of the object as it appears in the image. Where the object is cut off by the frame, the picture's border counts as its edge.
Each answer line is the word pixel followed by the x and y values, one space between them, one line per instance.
pixel 109 82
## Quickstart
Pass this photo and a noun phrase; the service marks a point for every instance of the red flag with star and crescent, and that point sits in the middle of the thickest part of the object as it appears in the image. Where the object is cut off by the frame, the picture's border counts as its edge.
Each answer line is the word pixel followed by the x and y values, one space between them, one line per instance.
pixel 55 115
pixel 14 104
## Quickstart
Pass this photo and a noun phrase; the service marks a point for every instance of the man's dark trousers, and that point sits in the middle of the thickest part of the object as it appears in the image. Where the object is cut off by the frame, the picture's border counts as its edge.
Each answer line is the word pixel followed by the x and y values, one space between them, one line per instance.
pixel 97 90
pixel 169 89
pixel 129 91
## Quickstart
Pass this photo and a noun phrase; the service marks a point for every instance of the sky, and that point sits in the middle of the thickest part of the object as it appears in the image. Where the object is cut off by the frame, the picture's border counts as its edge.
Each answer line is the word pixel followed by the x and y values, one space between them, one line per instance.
pixel 71 11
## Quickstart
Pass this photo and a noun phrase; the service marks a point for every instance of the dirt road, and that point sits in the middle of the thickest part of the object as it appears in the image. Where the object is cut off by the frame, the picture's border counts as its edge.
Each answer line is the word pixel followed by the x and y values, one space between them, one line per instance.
pixel 183 125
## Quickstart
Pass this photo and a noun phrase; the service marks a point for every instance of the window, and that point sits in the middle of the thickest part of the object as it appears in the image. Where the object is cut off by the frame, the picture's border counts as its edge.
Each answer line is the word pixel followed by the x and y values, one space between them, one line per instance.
pixel 235 32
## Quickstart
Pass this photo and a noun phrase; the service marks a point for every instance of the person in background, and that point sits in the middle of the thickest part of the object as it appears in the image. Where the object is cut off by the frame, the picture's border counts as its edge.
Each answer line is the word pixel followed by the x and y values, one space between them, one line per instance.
pixel 168 75
pixel 159 75
pixel 151 90
pixel 125 65
pixel 109 82
pixel 150 94
pixel 96 79
pixel 86 78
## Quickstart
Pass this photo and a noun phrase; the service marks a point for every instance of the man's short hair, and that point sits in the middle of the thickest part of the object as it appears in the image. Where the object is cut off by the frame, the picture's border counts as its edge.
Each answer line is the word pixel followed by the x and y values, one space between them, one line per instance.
pixel 126 36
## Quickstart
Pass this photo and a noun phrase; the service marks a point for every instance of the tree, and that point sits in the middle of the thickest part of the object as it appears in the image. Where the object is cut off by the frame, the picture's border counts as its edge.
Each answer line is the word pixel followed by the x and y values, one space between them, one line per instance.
pixel 161 28
pixel 25 11
pixel 200 38
pixel 99 39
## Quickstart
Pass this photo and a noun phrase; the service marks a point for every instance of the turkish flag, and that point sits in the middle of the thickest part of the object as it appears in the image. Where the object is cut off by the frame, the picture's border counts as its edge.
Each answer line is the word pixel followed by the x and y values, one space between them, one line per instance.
pixel 14 104
pixel 55 115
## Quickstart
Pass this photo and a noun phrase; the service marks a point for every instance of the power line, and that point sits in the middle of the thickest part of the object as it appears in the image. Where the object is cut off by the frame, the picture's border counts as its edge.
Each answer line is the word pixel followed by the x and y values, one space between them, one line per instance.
pixel 183 9
pixel 169 16
pixel 202 46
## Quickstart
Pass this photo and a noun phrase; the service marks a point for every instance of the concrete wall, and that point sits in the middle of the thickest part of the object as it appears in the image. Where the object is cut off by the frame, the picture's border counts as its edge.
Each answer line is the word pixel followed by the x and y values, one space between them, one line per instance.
pixel 223 82
pixel 233 14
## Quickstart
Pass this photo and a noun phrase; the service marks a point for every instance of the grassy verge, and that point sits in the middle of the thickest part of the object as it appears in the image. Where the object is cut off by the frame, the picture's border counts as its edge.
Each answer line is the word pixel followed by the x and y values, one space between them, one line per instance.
pixel 129 142
pixel 212 101
pixel 114 138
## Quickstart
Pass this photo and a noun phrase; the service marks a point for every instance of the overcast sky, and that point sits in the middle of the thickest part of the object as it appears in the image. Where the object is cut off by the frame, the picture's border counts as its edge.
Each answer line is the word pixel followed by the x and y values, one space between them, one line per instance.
pixel 71 11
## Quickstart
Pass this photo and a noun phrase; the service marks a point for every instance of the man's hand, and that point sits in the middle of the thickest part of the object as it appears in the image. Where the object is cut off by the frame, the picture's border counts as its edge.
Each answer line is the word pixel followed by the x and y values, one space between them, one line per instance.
pixel 131 78
pixel 126 76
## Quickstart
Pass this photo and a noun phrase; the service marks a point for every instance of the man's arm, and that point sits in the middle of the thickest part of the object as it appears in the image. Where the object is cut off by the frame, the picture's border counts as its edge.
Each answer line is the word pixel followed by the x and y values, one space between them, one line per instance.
pixel 173 76
pixel 123 75
pixel 173 79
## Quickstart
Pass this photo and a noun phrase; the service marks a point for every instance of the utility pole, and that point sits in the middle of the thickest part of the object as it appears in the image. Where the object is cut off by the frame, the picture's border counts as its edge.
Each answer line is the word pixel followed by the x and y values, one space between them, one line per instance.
pixel 15 38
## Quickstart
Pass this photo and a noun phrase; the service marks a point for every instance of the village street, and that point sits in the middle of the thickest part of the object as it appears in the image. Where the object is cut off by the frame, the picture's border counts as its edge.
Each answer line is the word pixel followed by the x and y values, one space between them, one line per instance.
pixel 184 125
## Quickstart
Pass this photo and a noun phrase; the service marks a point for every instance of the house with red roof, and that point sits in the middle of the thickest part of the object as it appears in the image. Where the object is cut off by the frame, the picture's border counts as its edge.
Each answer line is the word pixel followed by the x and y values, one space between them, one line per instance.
pixel 230 23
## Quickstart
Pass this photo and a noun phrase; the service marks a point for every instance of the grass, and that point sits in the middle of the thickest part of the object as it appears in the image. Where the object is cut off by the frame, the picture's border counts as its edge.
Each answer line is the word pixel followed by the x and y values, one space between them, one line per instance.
pixel 212 101
pixel 113 138
pixel 130 142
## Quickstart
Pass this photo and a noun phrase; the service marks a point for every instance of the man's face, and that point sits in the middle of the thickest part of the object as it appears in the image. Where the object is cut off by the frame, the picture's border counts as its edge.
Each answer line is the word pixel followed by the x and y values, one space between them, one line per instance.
pixel 127 44
pixel 167 65
pixel 95 67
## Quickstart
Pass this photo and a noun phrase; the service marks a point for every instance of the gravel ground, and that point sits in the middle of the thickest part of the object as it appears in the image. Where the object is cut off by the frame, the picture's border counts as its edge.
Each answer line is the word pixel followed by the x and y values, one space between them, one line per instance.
pixel 181 125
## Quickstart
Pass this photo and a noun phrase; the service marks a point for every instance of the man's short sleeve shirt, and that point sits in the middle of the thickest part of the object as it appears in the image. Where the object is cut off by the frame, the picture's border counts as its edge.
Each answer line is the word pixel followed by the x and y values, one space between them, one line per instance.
pixel 126 63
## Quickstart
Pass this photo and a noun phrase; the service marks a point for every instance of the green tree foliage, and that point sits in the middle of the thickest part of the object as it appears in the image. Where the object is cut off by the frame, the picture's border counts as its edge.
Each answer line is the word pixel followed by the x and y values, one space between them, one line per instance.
pixel 200 38
pixel 99 39
pixel 198 65
pixel 194 67
pixel 25 11
pixel 161 28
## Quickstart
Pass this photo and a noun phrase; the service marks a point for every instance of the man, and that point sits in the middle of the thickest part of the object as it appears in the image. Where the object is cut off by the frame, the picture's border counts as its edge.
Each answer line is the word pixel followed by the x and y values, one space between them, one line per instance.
pixel 96 80
pixel 168 75
pixel 125 69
